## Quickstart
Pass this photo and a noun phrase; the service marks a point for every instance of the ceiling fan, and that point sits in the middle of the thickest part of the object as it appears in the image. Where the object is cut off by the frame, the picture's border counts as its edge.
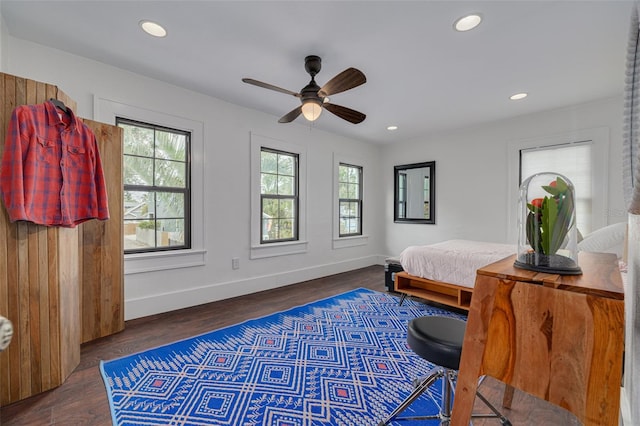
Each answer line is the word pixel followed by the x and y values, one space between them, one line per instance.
pixel 314 98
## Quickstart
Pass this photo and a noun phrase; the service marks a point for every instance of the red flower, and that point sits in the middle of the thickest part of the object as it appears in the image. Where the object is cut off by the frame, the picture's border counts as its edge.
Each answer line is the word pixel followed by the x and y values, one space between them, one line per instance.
pixel 537 202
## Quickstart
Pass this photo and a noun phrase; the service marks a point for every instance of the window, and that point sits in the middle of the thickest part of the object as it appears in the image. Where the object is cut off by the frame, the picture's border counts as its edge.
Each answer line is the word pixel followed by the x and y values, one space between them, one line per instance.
pixel 157 194
pixel 278 196
pixel 350 200
pixel 594 212
pixel 570 160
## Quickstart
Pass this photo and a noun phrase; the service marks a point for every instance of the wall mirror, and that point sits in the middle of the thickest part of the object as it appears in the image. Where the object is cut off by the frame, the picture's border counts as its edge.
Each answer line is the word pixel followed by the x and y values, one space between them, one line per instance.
pixel 414 193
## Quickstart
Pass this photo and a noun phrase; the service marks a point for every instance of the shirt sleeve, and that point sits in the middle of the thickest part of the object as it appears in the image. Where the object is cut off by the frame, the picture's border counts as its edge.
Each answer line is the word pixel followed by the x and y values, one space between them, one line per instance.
pixel 11 170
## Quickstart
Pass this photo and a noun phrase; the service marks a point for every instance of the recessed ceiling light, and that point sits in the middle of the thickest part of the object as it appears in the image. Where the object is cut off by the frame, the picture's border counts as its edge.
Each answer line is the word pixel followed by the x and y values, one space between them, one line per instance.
pixel 468 22
pixel 392 127
pixel 153 28
pixel 518 96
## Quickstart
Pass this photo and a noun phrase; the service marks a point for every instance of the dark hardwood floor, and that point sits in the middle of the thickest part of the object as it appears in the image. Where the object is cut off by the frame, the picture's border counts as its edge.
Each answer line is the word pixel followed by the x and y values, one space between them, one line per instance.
pixel 82 399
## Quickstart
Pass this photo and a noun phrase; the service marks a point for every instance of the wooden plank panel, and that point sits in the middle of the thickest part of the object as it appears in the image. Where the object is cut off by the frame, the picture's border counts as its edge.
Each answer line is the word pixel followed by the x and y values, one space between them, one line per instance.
pixel 45 340
pixel 27 369
pixel 41 92
pixel 54 307
pixel 24 283
pixel 54 285
pixel 31 95
pixel 5 370
pixel 30 354
pixel 34 308
pixel 23 306
pixel 12 266
pixel 70 332
pixel 40 302
pixel 70 325
pixel 102 254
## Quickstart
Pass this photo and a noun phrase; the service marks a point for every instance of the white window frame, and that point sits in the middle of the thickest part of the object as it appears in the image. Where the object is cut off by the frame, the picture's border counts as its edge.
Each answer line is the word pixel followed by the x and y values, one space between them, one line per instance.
pixel 285 248
pixel 354 240
pixel 106 111
pixel 599 137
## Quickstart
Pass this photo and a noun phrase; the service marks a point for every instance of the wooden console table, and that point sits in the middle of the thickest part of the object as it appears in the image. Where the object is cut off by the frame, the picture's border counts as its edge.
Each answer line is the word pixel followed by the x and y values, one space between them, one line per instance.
pixel 557 337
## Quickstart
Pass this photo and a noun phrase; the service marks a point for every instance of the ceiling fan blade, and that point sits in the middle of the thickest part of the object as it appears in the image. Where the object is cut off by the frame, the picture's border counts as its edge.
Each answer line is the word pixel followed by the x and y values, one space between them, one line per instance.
pixel 347 79
pixel 270 86
pixel 345 113
pixel 288 118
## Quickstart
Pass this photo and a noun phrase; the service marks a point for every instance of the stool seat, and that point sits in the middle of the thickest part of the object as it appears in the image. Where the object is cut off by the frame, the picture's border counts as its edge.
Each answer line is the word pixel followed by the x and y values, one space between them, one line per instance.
pixel 437 339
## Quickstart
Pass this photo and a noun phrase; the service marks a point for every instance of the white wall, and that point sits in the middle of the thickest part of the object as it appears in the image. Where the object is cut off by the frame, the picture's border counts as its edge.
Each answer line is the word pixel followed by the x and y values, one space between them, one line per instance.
pixel 472 173
pixel 4 37
pixel 471 180
pixel 226 191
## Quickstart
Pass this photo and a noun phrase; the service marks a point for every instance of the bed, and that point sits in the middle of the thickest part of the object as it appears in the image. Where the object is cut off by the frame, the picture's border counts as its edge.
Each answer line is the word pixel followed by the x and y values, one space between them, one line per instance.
pixel 445 272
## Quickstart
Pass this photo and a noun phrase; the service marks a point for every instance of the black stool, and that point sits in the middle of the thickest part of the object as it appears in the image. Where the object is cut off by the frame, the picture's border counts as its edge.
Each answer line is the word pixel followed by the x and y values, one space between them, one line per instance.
pixel 438 340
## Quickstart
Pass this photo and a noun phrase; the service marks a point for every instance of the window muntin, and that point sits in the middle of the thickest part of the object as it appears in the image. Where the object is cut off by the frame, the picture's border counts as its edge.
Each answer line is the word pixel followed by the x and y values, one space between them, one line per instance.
pixel 156 187
pixel 571 160
pixel 350 200
pixel 278 196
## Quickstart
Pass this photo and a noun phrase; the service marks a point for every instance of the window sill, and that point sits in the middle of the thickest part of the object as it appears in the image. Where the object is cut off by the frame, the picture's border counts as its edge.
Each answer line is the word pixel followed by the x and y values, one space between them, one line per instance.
pixel 149 262
pixel 344 242
pixel 278 249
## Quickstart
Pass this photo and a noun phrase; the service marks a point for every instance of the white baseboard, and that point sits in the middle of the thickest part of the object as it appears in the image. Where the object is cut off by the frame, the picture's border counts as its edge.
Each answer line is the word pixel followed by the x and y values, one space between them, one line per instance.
pixel 625 409
pixel 165 302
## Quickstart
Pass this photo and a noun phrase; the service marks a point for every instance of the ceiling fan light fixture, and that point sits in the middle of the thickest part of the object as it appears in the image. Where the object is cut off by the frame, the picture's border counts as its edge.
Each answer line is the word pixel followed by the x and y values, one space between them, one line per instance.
pixel 311 109
pixel 315 98
pixel 467 22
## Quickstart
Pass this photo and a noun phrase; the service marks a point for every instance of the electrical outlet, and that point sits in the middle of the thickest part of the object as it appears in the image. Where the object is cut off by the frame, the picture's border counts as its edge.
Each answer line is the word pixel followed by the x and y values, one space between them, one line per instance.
pixel 235 263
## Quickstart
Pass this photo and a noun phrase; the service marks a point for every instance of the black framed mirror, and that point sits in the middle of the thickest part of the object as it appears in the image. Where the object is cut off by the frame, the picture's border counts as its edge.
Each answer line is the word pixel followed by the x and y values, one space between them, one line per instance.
pixel 415 193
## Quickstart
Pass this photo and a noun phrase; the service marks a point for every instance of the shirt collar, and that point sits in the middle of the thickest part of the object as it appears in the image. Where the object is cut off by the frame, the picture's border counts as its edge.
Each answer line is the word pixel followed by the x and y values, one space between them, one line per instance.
pixel 54 119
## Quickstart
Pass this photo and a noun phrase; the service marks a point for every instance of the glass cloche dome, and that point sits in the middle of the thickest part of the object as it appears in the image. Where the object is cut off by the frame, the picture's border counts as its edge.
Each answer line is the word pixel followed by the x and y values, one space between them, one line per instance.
pixel 547 233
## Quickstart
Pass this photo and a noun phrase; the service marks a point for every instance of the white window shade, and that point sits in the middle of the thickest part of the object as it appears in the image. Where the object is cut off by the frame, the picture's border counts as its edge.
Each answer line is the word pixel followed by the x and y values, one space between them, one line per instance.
pixel 573 161
pixel 564 154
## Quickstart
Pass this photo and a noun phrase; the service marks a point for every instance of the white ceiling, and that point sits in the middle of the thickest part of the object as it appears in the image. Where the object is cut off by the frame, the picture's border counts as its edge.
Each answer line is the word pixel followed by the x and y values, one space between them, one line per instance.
pixel 421 75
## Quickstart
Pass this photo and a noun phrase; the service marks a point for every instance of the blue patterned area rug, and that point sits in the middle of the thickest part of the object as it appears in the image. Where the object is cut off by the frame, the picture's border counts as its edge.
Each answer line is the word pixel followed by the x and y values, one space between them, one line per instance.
pixel 338 361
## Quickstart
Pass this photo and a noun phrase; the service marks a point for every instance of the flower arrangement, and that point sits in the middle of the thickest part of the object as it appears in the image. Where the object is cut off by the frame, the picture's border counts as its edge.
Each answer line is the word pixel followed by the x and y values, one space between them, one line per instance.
pixel 550 218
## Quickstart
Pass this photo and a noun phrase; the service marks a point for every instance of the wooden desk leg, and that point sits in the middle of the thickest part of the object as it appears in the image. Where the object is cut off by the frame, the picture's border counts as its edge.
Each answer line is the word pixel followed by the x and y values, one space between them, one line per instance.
pixel 475 339
pixel 605 376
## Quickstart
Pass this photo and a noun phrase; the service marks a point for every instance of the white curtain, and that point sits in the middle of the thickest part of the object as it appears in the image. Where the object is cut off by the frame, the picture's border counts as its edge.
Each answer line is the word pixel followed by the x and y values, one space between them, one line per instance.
pixel 631 174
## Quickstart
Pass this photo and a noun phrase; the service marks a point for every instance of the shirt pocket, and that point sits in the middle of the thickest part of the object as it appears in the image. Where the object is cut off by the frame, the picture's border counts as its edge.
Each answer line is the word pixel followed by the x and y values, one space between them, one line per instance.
pixel 45 150
pixel 77 156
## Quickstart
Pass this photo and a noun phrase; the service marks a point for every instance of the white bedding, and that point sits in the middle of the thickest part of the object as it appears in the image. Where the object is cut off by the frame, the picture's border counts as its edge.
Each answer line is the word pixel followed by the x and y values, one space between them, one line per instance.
pixel 453 261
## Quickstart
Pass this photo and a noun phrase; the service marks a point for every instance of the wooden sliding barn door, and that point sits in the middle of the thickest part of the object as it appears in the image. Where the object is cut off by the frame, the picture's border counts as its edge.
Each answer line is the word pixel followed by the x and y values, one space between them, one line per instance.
pixel 39 278
pixel 59 286
pixel 102 246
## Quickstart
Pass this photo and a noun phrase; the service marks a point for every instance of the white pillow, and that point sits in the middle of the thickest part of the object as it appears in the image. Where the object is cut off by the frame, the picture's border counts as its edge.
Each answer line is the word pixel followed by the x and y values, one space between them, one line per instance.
pixel 609 239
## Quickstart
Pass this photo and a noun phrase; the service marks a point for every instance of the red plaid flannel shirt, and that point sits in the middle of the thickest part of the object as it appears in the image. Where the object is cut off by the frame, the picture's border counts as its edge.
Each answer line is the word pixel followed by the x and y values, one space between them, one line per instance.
pixel 51 172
